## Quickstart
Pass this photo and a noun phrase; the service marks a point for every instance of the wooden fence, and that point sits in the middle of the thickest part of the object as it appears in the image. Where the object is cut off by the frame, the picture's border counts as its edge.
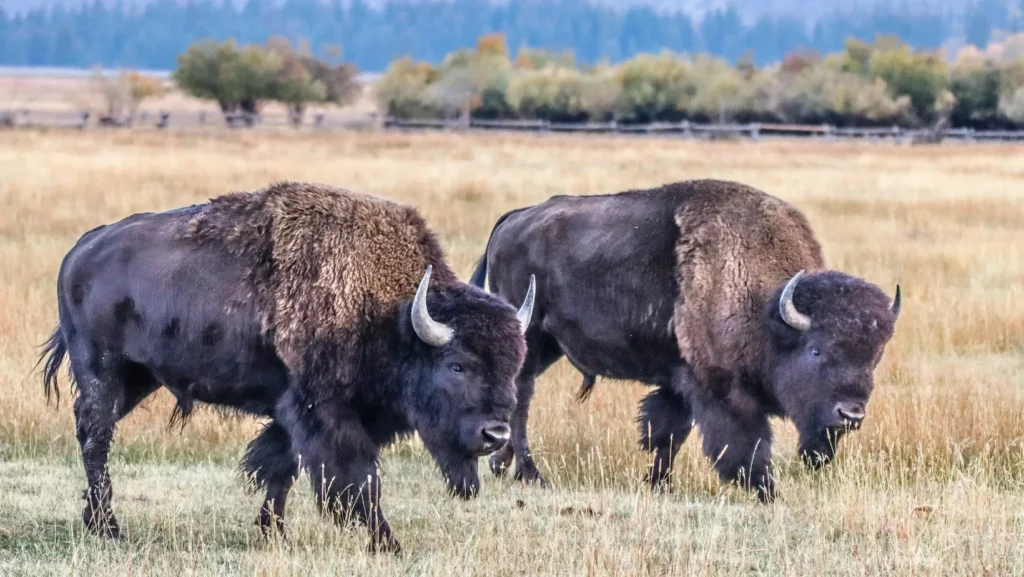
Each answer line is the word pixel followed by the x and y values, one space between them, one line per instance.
pixel 336 121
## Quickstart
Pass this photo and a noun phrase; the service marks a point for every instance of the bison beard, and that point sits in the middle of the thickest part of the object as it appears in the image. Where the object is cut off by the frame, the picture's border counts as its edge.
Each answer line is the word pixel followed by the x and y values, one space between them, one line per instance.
pixel 315 307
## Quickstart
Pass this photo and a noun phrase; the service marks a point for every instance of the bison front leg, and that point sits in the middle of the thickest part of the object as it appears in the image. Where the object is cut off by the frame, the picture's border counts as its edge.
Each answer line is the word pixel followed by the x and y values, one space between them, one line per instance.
pixel 341 459
pixel 270 464
pixel 351 492
pixel 739 445
pixel 542 351
pixel 665 423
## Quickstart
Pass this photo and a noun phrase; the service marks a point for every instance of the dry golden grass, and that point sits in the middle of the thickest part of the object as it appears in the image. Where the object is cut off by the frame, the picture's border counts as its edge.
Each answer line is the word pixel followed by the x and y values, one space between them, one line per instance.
pixel 933 484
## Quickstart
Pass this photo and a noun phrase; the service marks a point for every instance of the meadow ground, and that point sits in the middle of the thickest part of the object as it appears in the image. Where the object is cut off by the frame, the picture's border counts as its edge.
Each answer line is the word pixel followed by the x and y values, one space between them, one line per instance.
pixel 933 483
pixel 44 96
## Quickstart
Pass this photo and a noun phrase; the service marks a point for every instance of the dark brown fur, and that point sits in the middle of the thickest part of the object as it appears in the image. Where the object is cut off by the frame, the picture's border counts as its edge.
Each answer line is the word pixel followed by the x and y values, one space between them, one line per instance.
pixel 678 287
pixel 291 302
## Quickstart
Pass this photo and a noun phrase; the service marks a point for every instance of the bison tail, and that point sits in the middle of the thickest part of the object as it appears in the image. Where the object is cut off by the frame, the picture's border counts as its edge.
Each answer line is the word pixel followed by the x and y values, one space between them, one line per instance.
pixel 479 273
pixel 54 351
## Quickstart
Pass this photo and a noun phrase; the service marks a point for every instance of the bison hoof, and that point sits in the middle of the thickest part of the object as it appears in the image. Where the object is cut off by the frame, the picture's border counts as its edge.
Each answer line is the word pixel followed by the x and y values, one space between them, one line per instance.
pixel 815 461
pixel 530 475
pixel 464 491
pixel 385 545
pixel 767 495
pixel 270 528
pixel 101 523
pixel 659 483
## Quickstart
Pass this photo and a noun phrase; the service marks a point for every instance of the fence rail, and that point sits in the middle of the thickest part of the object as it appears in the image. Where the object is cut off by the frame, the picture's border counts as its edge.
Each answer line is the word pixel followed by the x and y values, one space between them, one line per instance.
pixel 753 131
pixel 327 122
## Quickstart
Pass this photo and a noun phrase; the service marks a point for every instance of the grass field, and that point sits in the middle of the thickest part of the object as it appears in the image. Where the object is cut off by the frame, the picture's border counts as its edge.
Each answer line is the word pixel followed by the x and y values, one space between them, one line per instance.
pixel 932 484
pixel 43 96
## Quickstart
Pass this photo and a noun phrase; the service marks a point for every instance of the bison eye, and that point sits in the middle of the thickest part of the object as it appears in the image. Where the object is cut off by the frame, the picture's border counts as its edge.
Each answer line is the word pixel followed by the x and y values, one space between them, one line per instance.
pixel 816 352
pixel 455 367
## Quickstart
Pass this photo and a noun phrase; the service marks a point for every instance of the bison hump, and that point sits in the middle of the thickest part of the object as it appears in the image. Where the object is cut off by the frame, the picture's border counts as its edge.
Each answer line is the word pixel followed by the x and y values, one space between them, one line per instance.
pixel 331 260
pixel 735 246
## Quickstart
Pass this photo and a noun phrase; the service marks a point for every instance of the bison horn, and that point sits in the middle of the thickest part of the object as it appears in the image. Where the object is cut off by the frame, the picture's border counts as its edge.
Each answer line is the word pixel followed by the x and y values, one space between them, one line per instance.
pixel 526 311
pixel 793 317
pixel 430 331
pixel 896 302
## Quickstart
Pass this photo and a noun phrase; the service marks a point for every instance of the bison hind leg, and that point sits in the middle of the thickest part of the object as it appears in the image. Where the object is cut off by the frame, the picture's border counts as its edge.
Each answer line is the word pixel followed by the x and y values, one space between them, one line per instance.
pixel 665 421
pixel 109 389
pixel 270 464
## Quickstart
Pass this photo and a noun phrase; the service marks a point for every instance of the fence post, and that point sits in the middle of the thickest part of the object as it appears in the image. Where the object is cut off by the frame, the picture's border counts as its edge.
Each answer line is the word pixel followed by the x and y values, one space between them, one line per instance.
pixel 164 118
pixel 755 131
pixel 687 129
pixel 85 120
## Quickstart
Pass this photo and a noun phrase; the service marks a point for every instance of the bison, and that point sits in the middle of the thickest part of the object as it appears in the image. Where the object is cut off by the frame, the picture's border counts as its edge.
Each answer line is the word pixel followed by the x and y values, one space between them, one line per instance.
pixel 332 313
pixel 713 292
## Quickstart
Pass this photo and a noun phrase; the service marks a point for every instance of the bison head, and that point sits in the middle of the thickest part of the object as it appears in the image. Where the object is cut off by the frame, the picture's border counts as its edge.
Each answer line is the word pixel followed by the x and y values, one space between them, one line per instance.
pixel 828 333
pixel 468 347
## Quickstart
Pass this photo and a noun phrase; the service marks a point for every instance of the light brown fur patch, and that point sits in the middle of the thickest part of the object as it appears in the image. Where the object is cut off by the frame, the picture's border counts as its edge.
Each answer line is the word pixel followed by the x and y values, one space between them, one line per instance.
pixel 736 245
pixel 325 260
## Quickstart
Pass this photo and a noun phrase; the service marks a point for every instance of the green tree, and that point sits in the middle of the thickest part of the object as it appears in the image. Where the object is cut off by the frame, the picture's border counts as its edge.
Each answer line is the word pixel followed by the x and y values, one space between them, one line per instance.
pixel 473 82
pixel 920 76
pixel 655 87
pixel 722 90
pixel 400 90
pixel 241 79
pixel 975 82
pixel 238 79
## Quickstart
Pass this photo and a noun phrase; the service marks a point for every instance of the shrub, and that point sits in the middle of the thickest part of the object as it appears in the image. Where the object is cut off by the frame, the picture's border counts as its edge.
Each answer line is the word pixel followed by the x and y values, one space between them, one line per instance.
pixel 240 79
pixel 124 93
pixel 655 87
pixel 922 77
pixel 560 94
pixel 400 90
pixel 975 83
pixel 722 92
pixel 1012 106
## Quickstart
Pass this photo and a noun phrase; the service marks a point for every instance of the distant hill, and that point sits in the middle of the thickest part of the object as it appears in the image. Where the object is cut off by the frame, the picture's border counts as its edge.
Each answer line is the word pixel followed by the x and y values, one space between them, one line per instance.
pixel 372 33
pixel 808 9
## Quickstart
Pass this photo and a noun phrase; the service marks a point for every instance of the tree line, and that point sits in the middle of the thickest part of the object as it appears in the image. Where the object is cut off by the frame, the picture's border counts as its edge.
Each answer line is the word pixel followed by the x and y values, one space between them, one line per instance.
pixel 126 35
pixel 881 83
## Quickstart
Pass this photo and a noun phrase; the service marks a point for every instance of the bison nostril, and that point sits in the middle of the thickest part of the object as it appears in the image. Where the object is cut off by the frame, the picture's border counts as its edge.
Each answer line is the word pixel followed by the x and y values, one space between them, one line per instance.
pixel 850 411
pixel 498 432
